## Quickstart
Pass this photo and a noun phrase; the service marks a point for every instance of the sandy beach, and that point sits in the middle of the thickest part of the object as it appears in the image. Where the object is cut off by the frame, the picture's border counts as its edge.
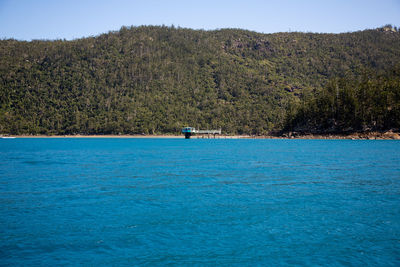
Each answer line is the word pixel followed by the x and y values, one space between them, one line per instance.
pixel 141 136
pixel 353 136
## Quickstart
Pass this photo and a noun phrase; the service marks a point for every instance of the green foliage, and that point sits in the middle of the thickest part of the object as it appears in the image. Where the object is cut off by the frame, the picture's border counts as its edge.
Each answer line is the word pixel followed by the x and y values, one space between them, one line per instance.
pixel 369 102
pixel 159 79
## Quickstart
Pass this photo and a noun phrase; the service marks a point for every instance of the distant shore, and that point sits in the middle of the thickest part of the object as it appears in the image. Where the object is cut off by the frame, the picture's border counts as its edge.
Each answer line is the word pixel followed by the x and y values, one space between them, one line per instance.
pixel 389 135
pixel 97 136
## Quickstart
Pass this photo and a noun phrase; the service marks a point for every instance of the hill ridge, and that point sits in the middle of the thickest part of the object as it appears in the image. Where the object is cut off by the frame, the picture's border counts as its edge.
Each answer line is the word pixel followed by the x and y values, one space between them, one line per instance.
pixel 155 79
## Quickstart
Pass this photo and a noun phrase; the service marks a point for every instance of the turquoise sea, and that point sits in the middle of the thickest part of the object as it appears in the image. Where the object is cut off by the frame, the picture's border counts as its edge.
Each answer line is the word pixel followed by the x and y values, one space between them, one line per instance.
pixel 204 202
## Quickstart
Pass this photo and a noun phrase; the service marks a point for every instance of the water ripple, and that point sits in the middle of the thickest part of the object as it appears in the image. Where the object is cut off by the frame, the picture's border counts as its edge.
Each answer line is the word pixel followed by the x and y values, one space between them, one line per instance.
pixel 230 202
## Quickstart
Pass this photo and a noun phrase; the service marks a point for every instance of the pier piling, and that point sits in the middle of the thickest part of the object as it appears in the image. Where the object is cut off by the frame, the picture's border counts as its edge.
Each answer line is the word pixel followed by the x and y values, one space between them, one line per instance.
pixel 189 131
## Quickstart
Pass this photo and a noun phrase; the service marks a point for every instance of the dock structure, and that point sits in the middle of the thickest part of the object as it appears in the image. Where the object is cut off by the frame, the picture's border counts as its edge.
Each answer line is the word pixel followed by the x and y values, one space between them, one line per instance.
pixel 189 131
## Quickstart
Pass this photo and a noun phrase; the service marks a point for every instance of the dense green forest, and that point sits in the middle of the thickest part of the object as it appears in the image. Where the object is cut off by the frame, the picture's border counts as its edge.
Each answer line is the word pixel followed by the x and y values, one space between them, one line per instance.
pixel 158 79
pixel 368 102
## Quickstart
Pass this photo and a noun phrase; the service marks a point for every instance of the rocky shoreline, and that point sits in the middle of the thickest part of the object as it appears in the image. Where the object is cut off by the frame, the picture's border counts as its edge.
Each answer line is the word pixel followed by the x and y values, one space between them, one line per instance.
pixel 388 135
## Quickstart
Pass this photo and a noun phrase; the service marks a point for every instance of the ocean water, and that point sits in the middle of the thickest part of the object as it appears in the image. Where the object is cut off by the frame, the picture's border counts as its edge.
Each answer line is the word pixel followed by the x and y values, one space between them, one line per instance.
pixel 159 202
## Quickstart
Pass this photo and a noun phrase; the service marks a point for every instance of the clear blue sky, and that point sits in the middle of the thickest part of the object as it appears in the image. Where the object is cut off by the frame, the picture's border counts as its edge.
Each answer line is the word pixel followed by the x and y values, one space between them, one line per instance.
pixel 70 19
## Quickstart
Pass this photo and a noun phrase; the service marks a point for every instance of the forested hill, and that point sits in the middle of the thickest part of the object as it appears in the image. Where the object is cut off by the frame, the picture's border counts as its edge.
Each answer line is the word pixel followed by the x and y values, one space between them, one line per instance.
pixel 158 79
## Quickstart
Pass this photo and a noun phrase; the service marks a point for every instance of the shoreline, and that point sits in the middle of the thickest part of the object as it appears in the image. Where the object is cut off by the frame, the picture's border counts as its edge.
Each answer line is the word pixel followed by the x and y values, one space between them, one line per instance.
pixel 353 136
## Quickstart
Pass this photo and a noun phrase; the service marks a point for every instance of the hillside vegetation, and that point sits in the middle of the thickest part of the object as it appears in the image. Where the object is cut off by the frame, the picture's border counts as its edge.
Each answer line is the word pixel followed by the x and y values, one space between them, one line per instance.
pixel 364 103
pixel 158 79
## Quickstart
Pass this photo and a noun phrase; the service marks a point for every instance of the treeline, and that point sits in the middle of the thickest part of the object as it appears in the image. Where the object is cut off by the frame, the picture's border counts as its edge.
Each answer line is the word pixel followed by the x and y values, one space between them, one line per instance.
pixel 160 79
pixel 368 102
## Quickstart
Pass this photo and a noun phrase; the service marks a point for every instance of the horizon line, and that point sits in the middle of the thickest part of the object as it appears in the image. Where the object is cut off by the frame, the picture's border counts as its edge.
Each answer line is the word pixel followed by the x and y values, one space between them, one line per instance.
pixel 178 27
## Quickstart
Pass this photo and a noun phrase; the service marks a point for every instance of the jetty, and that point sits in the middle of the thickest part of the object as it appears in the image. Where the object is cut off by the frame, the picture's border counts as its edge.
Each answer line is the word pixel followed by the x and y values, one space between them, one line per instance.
pixel 189 131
